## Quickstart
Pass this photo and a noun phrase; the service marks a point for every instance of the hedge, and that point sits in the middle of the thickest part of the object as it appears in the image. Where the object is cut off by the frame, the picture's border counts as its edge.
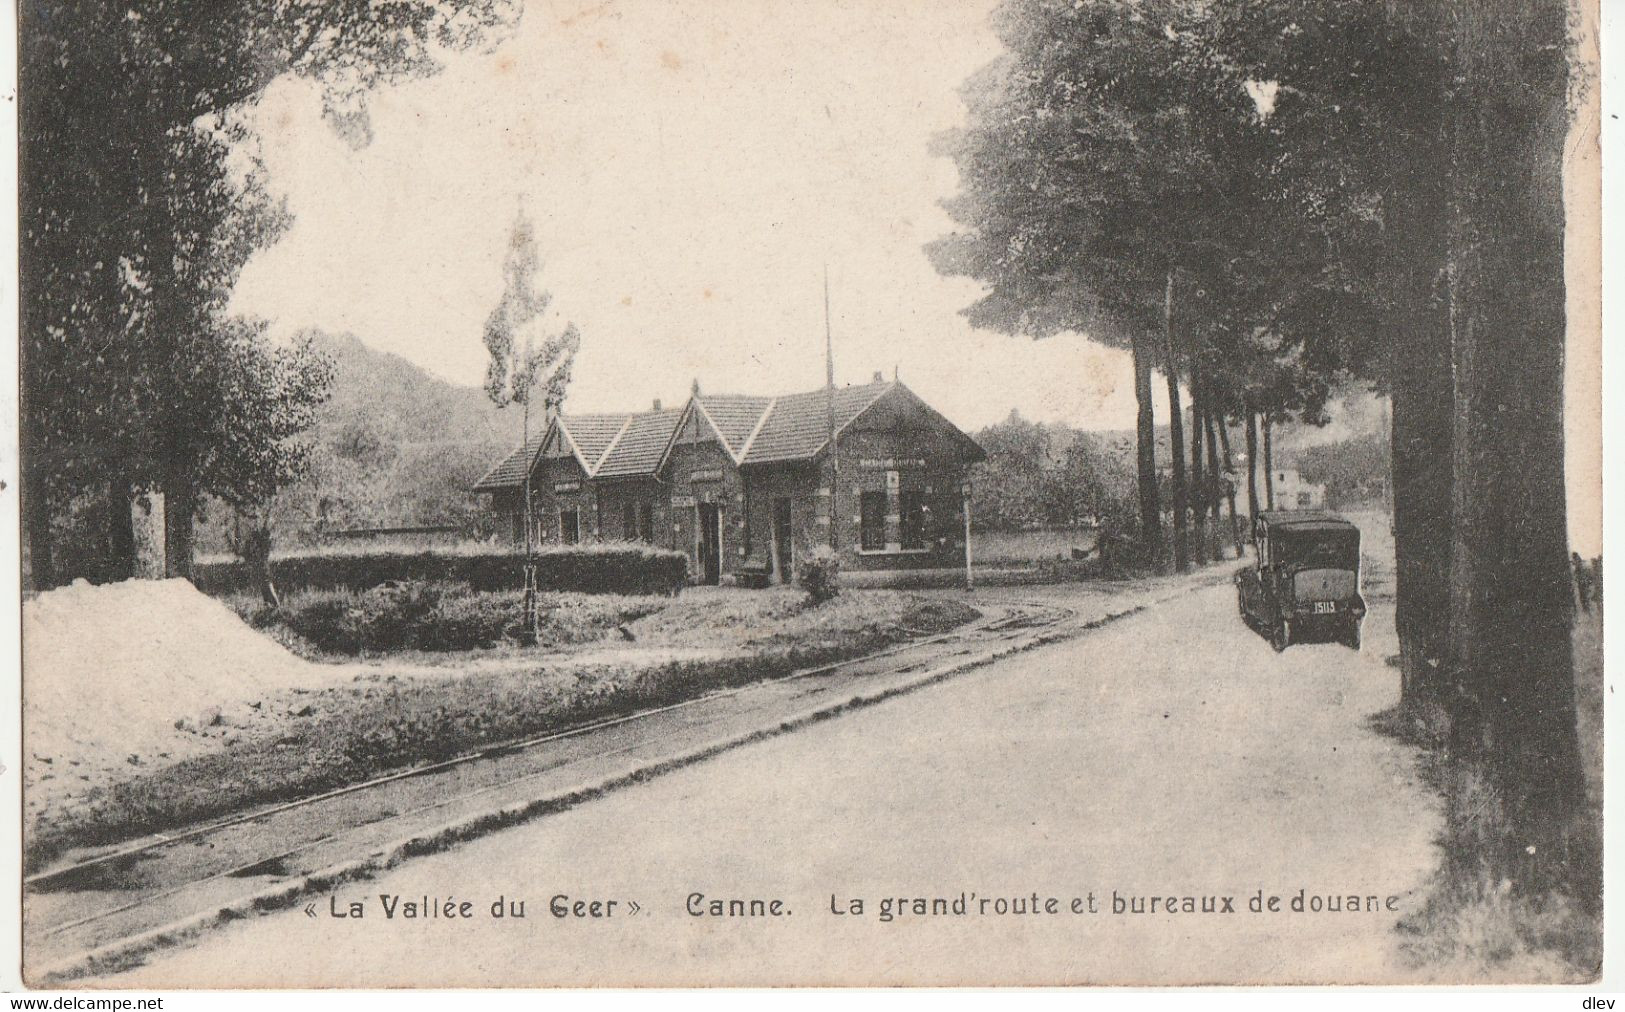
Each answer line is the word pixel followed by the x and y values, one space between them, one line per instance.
pixel 435 616
pixel 614 568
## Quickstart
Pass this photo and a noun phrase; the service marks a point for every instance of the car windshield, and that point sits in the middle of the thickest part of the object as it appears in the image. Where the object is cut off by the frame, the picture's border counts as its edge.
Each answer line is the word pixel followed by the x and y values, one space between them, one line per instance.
pixel 1317 549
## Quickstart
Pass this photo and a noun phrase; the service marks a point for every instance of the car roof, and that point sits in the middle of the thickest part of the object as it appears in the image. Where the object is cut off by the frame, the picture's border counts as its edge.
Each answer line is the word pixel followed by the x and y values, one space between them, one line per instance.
pixel 1319 520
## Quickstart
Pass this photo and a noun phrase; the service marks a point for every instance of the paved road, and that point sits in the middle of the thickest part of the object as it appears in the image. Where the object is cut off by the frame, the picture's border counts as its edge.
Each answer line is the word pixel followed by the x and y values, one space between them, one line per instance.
pixel 1170 754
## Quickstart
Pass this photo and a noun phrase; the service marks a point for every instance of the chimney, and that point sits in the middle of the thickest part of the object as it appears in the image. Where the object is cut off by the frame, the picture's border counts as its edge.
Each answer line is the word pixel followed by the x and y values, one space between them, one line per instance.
pixel 657 404
pixel 880 377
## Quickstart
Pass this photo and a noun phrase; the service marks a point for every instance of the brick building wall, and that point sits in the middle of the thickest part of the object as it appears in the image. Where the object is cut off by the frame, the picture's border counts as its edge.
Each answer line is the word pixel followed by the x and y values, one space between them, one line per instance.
pixel 896 505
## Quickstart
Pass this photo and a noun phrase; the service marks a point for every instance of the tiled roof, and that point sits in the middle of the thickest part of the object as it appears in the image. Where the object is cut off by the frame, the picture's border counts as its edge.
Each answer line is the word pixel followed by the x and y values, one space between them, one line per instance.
pixel 735 416
pixel 640 446
pixel 588 435
pixel 592 435
pixel 756 430
pixel 797 425
pixel 510 471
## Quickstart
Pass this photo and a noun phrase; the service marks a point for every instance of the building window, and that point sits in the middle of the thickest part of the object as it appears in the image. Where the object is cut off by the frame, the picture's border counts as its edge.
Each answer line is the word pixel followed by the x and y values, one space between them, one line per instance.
pixel 570 526
pixel 873 521
pixel 914 514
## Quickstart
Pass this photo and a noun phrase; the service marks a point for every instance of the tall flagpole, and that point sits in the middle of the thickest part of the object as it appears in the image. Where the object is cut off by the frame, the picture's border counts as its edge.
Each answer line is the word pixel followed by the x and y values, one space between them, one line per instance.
pixel 834 448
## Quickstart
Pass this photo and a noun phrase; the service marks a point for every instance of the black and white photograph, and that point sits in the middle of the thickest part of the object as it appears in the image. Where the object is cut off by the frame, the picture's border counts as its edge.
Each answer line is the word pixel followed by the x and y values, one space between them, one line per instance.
pixel 807 493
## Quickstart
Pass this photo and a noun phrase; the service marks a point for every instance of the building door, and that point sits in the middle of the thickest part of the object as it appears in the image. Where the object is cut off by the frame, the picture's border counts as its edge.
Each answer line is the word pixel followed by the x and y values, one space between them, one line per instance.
pixel 711 542
pixel 782 541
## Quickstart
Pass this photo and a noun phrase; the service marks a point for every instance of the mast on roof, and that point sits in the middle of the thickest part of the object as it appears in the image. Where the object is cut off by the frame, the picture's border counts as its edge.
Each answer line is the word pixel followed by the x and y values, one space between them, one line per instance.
pixel 834 447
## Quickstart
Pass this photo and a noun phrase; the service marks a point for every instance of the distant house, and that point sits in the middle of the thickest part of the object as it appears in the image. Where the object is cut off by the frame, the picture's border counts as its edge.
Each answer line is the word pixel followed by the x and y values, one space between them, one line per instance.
pixel 1293 493
pixel 742 484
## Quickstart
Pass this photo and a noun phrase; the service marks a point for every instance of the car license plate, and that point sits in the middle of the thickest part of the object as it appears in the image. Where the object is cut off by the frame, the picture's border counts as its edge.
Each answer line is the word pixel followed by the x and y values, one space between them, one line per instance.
pixel 1325 607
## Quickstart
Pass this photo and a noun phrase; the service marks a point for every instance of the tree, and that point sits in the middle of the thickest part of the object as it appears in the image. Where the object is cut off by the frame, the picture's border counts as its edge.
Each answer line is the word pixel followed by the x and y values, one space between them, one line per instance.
pixel 1360 124
pixel 1426 140
pixel 1078 171
pixel 1510 664
pixel 1010 492
pixel 1120 158
pixel 135 215
pixel 524 362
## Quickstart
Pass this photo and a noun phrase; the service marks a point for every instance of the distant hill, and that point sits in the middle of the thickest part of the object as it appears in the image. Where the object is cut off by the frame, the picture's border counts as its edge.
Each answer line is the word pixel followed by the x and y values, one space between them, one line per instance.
pixel 398 398
pixel 394 446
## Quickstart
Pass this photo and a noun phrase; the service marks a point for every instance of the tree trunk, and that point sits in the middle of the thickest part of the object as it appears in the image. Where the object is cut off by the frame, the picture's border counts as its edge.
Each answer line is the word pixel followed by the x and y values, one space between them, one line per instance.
pixel 1269 462
pixel 1176 428
pixel 1230 486
pixel 1198 490
pixel 1146 451
pixel 37 513
pixel 1513 725
pixel 121 553
pixel 1252 476
pixel 180 507
pixel 1214 482
pixel 1422 403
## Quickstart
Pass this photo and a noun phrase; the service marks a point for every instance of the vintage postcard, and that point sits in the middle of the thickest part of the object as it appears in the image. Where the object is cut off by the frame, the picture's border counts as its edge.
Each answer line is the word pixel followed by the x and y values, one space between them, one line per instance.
pixel 532 493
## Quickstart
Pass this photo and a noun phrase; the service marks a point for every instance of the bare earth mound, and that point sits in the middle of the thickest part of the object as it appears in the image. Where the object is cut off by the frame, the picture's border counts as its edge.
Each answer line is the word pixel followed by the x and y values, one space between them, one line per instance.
pixel 112 672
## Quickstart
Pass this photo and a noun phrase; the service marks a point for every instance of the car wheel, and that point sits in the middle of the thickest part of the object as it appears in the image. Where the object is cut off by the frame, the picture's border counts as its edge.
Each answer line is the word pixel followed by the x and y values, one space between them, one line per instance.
pixel 1351 634
pixel 1281 636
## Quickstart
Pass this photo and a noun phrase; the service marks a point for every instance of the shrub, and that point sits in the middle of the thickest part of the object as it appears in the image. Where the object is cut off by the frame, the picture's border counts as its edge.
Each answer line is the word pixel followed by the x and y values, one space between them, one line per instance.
pixel 396 615
pixel 818 572
pixel 614 568
pixel 325 619
pixel 469 621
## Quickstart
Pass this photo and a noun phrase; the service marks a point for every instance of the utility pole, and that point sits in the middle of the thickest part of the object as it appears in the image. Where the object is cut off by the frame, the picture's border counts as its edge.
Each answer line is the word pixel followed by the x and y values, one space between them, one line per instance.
pixel 965 491
pixel 834 447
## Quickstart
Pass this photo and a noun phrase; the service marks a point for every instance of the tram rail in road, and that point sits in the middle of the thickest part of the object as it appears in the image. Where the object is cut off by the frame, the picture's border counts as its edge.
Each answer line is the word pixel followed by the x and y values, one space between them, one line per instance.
pixel 100 907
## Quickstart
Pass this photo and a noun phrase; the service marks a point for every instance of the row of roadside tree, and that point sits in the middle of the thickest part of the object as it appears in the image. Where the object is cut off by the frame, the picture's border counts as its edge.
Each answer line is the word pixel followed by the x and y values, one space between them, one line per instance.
pixel 1263 201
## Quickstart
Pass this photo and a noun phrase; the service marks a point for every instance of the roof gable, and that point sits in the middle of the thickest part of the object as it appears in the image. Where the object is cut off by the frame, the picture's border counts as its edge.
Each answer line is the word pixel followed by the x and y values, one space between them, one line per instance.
pixel 734 417
pixel 592 436
pixel 752 430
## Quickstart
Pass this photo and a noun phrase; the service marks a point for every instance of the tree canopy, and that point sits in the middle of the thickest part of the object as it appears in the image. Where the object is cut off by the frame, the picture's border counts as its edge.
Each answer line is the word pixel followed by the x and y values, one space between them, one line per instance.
pixel 141 199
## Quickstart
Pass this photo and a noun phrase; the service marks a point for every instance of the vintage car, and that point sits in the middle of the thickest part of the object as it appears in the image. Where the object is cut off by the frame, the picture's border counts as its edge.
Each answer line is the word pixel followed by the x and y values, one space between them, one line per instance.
pixel 1305 582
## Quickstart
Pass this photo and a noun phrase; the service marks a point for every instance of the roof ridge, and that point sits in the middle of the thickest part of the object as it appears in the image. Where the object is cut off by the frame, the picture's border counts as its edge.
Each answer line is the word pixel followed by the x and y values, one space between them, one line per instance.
pixel 603 457
pixel 698 402
pixel 886 387
pixel 750 440
pixel 575 448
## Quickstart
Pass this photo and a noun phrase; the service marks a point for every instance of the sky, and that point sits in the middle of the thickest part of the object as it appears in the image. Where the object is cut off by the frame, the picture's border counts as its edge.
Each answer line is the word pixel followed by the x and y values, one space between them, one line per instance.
pixel 691 168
